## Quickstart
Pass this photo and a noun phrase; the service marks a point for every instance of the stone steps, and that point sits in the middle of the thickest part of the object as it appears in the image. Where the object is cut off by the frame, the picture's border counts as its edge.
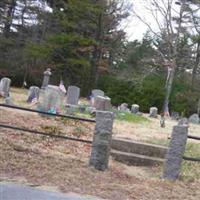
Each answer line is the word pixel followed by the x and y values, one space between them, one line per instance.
pixel 137 153
pixel 135 159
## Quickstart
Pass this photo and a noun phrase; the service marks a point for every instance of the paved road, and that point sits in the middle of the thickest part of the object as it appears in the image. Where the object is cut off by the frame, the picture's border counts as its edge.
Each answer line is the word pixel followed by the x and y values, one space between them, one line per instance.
pixel 19 192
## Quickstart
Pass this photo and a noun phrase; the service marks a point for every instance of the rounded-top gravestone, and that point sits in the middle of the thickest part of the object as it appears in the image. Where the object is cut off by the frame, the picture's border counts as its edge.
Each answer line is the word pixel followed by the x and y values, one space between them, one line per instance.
pixel 33 94
pixel 123 107
pixel 194 119
pixel 153 112
pixel 5 87
pixel 97 92
pixel 135 108
pixel 102 103
pixel 73 93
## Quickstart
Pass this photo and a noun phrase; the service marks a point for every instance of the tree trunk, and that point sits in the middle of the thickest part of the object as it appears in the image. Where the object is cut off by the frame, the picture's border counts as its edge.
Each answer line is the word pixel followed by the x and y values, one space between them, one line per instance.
pixel 168 88
pixel 197 61
pixel 9 17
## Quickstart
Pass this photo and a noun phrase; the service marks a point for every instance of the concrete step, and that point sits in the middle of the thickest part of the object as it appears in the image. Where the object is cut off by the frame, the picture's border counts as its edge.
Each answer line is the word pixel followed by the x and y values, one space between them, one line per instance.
pixel 135 159
pixel 141 148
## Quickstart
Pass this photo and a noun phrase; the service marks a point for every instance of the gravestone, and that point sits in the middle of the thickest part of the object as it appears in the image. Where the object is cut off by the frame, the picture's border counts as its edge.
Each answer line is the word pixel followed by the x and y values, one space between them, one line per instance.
pixel 73 94
pixel 102 103
pixel 124 107
pixel 33 94
pixel 97 92
pixel 194 119
pixel 46 78
pixel 5 87
pixel 135 108
pixel 183 122
pixel 175 116
pixel 51 99
pixel 8 101
pixel 153 112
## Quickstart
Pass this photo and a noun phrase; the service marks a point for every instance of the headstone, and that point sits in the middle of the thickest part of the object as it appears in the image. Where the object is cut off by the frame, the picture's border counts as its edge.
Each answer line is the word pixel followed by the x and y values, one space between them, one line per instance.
pixel 46 78
pixel 183 122
pixel 153 112
pixel 97 92
pixel 73 94
pixel 135 108
pixel 51 99
pixel 175 116
pixel 102 103
pixel 5 87
pixel 123 107
pixel 9 101
pixel 194 119
pixel 33 94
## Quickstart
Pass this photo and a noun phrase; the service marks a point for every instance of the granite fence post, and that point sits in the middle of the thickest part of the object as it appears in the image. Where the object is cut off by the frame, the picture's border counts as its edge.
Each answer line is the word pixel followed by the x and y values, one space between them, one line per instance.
pixel 102 140
pixel 174 156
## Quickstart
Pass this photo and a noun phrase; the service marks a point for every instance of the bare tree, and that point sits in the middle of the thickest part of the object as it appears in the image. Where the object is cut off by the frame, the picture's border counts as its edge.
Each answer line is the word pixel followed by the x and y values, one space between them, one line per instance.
pixel 169 17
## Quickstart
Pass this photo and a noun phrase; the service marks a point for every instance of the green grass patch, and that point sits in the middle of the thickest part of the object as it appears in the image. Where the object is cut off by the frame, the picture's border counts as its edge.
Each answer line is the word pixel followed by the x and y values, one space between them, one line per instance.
pixel 130 117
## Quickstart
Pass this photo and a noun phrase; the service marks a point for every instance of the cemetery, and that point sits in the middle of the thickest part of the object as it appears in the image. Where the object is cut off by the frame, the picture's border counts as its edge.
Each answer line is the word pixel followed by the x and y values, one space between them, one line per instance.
pixel 138 146
pixel 99 100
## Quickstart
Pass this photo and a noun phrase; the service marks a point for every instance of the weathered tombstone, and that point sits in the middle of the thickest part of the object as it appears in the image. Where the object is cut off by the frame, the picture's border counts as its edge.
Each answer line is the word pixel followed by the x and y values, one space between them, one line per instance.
pixel 175 152
pixel 5 87
pixel 123 107
pixel 73 94
pixel 8 101
pixel 194 119
pixel 153 112
pixel 101 145
pixel 102 103
pixel 46 78
pixel 183 122
pixel 51 99
pixel 97 92
pixel 33 94
pixel 135 108
pixel 175 116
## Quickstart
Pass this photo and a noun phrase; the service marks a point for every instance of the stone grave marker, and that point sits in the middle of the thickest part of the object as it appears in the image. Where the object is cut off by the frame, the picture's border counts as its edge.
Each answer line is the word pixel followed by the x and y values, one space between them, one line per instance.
pixel 135 108
pixel 33 94
pixel 97 92
pixel 153 112
pixel 51 99
pixel 46 78
pixel 194 119
pixel 5 87
pixel 123 107
pixel 102 103
pixel 73 93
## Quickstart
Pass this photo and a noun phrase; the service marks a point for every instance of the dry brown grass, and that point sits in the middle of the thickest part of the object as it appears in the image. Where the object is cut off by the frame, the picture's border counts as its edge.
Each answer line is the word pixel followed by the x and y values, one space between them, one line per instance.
pixel 63 164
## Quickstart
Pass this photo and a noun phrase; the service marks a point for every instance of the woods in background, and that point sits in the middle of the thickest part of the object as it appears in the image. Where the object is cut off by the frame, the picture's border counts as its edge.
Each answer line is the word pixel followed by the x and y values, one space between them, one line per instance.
pixel 84 44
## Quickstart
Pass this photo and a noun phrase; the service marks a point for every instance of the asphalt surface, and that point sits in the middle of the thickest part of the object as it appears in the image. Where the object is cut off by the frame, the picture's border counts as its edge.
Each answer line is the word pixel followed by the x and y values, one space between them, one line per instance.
pixel 18 192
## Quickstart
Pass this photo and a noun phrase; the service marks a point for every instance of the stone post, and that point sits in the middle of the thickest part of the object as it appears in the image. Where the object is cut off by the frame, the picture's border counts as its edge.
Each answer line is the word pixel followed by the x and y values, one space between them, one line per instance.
pixel 102 140
pixel 46 78
pixel 175 152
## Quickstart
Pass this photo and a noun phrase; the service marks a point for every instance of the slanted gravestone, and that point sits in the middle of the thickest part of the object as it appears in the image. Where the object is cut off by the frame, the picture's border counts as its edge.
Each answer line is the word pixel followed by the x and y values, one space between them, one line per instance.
pixel 124 107
pixel 135 108
pixel 5 87
pixel 153 112
pixel 46 78
pixel 102 103
pixel 73 94
pixel 51 99
pixel 33 94
pixel 194 119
